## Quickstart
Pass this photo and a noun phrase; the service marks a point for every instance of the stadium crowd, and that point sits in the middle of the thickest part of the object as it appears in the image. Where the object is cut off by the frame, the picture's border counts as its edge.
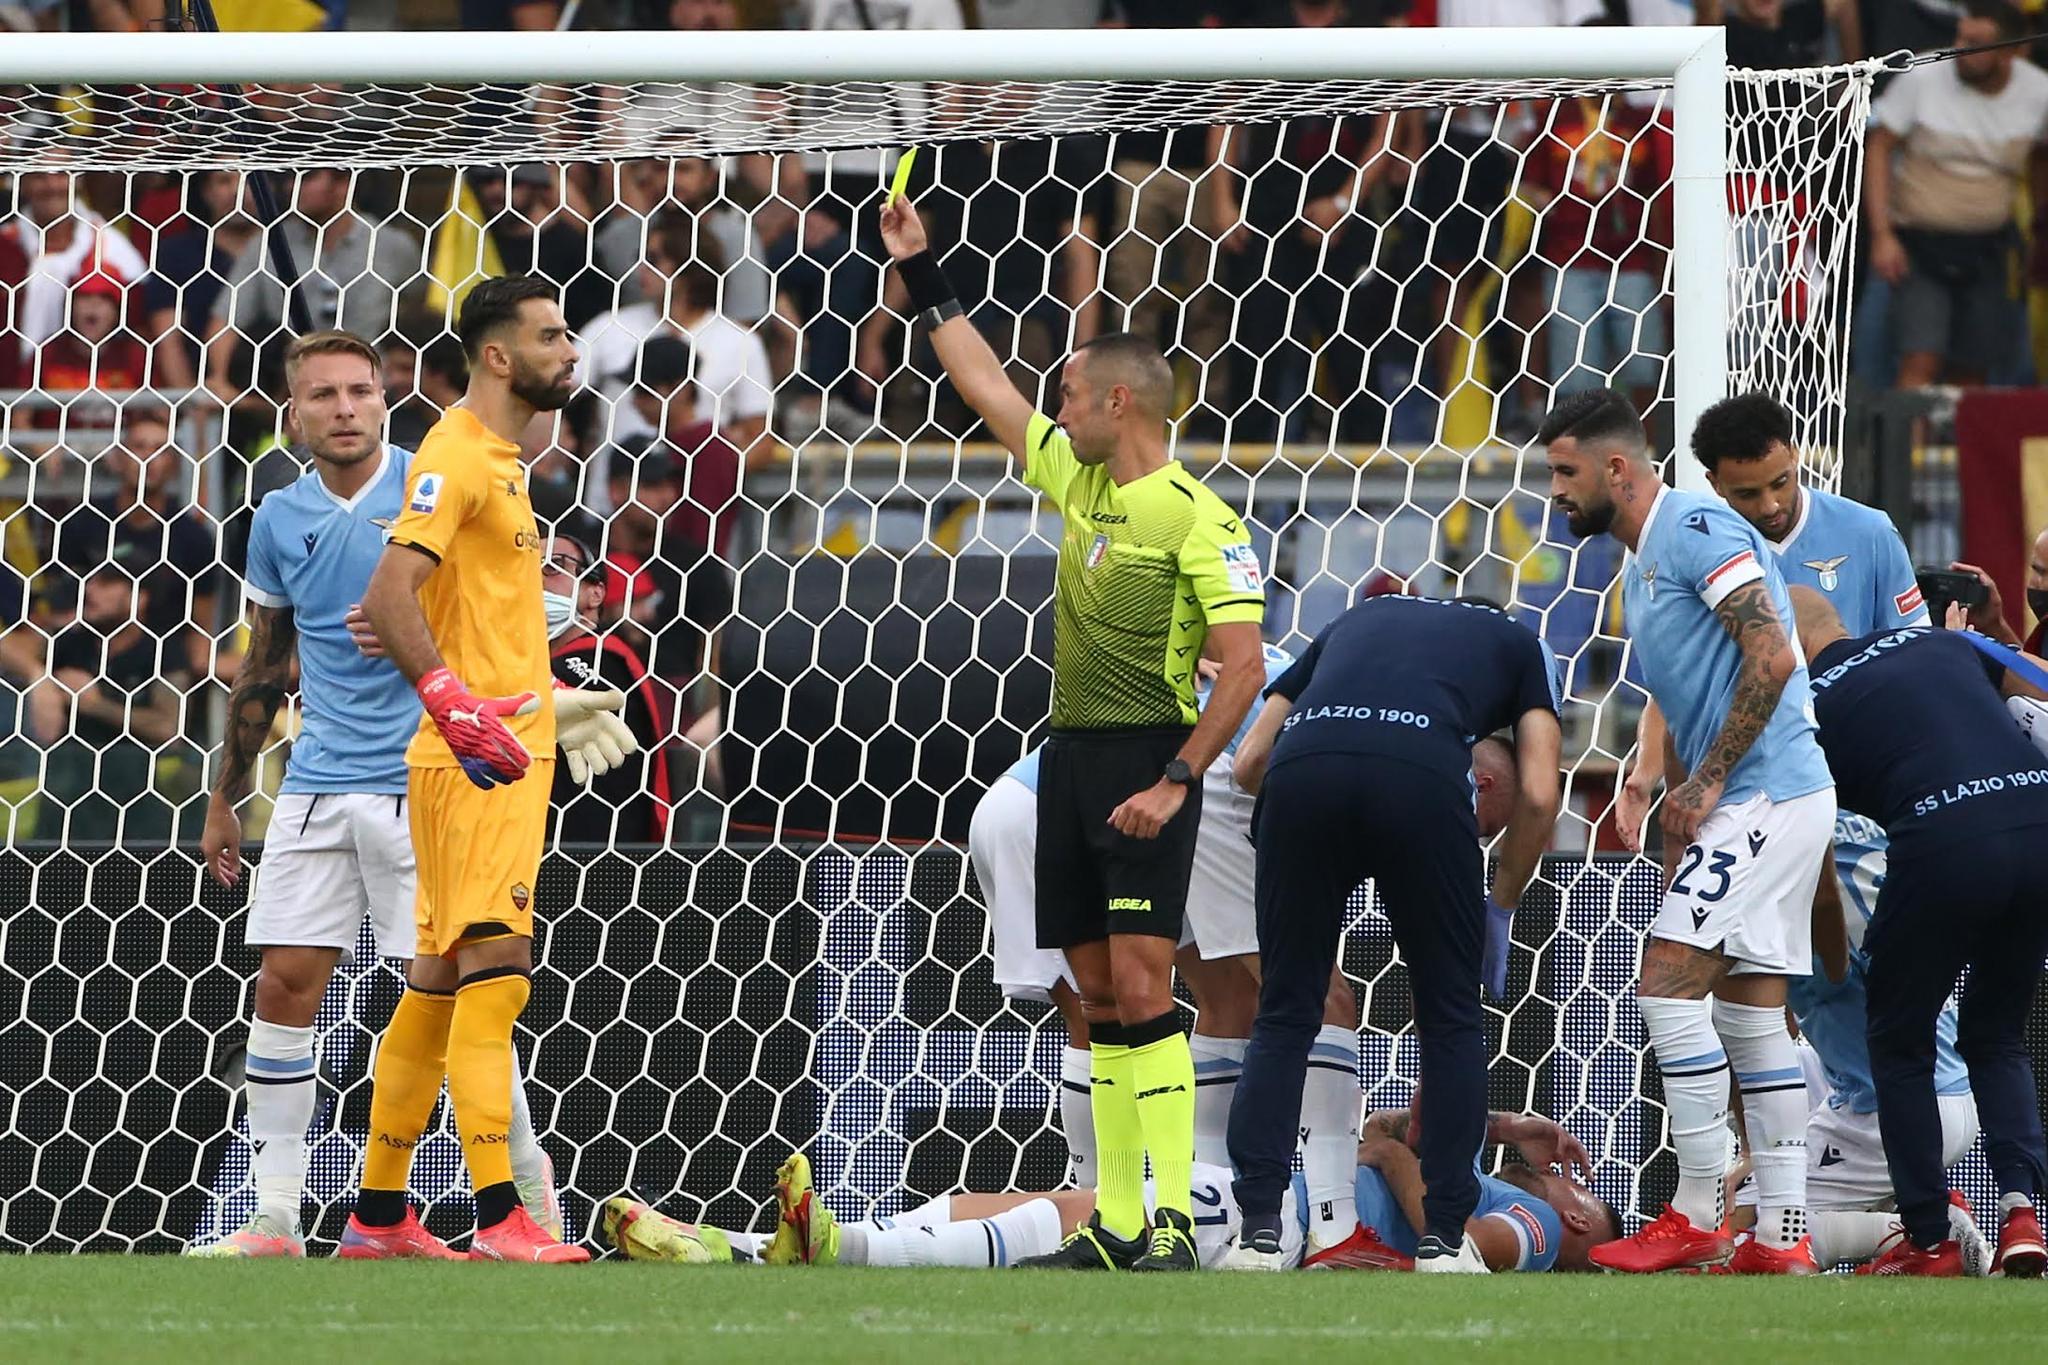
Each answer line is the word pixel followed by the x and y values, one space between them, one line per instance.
pixel 1313 280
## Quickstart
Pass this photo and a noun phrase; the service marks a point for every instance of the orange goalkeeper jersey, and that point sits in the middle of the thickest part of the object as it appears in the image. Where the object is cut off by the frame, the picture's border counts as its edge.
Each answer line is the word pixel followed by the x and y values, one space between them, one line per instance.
pixel 466 505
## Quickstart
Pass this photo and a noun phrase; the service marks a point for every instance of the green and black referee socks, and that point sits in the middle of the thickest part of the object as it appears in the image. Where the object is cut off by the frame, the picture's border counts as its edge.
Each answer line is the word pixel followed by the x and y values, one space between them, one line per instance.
pixel 1144 1100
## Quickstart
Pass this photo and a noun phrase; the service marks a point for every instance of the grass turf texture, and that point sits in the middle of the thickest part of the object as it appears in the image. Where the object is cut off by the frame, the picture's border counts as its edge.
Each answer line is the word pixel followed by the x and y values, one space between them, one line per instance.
pixel 164 1309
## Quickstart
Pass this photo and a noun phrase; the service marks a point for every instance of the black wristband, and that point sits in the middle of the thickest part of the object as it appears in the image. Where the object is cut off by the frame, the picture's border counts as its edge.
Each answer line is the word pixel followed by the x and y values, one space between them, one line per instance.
pixel 926 280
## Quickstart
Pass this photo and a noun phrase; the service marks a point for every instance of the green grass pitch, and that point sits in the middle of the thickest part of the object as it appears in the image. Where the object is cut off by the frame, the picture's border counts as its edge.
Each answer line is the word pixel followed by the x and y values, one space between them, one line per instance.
pixel 150 1309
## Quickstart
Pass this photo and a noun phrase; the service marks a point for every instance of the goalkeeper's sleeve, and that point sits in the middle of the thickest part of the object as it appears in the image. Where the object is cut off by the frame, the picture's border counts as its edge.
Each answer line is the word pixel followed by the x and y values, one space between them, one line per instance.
pixel 593 736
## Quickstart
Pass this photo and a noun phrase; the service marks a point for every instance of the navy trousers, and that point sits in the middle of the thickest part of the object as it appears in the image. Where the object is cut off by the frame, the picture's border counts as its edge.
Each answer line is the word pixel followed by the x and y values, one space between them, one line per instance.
pixel 1325 824
pixel 1976 905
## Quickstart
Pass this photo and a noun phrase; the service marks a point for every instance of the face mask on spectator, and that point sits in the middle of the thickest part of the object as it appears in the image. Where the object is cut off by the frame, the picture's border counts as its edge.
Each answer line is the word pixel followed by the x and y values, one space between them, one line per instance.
pixel 561 613
pixel 2038 600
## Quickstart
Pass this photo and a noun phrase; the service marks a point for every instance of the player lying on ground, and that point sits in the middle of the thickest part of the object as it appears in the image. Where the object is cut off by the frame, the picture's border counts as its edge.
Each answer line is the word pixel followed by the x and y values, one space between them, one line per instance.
pixel 1530 1217
pixel 338 847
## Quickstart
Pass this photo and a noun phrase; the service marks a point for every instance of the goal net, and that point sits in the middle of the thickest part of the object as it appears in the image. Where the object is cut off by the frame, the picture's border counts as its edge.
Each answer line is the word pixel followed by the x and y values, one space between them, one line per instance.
pixel 1370 280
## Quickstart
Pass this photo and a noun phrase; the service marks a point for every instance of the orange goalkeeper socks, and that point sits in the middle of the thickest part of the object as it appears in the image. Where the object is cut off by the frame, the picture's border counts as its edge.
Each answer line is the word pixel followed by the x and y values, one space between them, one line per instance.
pixel 411 1059
pixel 480 1084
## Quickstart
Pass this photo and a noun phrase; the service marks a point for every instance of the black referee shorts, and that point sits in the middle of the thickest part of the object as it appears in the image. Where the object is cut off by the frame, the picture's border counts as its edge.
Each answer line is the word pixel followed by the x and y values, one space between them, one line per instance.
pixel 1092 880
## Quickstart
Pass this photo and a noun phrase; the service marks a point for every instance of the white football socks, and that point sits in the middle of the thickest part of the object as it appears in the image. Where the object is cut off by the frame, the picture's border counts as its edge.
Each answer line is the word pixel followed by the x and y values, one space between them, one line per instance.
pixel 926 1215
pixel 1030 1229
pixel 1330 1103
pixel 1694 1066
pixel 282 1084
pixel 1077 1116
pixel 1774 1111
pixel 1219 1062
pixel 529 1162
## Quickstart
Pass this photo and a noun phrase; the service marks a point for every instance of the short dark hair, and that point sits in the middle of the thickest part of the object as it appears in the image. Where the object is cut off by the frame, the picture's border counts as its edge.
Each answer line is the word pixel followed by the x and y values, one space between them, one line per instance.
pixel 494 305
pixel 1744 427
pixel 333 341
pixel 1593 415
pixel 2010 25
pixel 1137 362
pixel 664 361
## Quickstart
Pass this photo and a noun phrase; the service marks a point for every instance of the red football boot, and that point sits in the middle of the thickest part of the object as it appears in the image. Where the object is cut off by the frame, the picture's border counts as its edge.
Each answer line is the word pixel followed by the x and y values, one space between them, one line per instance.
pixel 1672 1242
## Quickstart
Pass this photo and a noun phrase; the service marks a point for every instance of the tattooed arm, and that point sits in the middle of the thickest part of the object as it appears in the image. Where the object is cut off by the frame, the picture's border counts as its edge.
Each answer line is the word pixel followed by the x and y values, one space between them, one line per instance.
pixel 1751 619
pixel 259 690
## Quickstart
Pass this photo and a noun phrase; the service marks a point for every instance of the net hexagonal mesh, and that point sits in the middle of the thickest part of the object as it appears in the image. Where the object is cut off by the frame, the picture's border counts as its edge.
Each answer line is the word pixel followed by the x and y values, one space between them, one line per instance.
pixel 824 582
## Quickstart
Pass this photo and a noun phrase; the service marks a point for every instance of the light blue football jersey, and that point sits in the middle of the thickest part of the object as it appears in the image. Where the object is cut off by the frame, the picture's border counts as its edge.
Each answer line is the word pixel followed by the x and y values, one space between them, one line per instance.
pixel 1853 554
pixel 313 552
pixel 1833 1015
pixel 1536 1224
pixel 1694 551
pixel 1278 661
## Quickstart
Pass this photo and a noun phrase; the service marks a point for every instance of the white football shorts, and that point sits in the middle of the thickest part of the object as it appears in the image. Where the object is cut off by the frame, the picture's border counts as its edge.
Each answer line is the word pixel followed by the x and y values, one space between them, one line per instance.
pixel 1745 885
pixel 1217 1218
pixel 329 859
pixel 1002 839
pixel 1845 1166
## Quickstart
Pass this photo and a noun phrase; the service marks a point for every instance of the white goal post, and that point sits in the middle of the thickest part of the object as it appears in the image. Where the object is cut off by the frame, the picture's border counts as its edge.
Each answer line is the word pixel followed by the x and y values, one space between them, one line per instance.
pixel 799 956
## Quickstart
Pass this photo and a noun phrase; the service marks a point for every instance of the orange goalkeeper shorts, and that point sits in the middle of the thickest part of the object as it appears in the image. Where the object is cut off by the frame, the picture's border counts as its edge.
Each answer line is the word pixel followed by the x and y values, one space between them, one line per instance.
pixel 478 852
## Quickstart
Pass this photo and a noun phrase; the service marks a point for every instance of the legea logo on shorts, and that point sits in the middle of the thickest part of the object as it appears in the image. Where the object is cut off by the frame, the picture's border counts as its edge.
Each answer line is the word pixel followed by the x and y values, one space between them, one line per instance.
pixel 1129 903
pixel 520 895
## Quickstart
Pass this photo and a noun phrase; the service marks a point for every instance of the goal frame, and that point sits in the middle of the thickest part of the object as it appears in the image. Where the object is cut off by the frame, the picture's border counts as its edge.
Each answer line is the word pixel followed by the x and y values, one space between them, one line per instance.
pixel 1694 60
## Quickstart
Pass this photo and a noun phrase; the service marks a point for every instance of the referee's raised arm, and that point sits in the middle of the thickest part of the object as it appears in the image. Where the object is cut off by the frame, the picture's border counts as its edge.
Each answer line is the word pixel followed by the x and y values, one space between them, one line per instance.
pixel 969 360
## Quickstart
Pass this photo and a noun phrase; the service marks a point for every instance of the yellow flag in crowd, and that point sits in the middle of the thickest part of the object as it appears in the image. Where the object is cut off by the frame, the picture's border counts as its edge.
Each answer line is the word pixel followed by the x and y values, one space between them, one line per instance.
pixel 463 252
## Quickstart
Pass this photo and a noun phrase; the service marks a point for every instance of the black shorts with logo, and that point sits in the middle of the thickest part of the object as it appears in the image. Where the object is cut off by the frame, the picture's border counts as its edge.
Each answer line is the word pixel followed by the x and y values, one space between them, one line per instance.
pixel 1092 880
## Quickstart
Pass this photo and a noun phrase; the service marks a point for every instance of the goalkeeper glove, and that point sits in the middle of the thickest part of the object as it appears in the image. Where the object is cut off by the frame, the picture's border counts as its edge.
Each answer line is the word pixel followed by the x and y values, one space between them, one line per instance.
pixel 475 729
pixel 593 737
pixel 1494 964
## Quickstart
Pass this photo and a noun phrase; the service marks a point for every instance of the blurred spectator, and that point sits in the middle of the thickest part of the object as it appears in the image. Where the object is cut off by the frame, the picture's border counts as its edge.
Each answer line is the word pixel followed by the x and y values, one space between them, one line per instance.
pixel 1016 225
pixel 107 703
pixel 1773 35
pixel 892 15
pixel 825 281
pixel 96 353
pixel 540 224
pixel 663 584
pixel 1949 143
pixel 1599 176
pixel 630 802
pixel 710 466
pixel 13 273
pixel 1287 207
pixel 690 185
pixel 1464 179
pixel 485 16
pixel 142 522
pixel 1047 13
pixel 733 379
pixel 1159 257
pixel 59 236
pixel 553 448
pixel 439 377
pixel 194 255
pixel 1912 25
pixel 350 275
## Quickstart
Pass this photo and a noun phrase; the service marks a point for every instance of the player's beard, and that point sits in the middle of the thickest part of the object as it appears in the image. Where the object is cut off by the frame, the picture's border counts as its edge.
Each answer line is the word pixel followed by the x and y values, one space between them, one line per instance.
pixel 1584 522
pixel 346 459
pixel 543 393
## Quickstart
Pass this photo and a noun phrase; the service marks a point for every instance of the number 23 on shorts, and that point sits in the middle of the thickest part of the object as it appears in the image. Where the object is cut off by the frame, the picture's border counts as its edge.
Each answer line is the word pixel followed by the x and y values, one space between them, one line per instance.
pixel 1714 878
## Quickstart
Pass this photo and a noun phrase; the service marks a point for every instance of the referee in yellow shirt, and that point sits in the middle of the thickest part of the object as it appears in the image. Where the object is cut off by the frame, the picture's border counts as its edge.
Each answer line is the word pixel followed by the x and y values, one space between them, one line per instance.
pixel 1151 562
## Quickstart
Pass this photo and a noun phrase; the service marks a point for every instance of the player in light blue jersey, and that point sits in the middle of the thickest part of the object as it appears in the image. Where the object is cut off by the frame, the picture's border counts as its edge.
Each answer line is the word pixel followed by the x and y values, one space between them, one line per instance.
pixel 1852 555
pixel 1746 825
pixel 1832 544
pixel 338 847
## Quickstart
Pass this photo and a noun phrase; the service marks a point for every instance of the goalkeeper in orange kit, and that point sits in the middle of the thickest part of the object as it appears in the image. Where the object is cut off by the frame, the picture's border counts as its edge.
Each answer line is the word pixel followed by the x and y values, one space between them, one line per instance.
pixel 456 603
